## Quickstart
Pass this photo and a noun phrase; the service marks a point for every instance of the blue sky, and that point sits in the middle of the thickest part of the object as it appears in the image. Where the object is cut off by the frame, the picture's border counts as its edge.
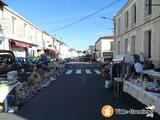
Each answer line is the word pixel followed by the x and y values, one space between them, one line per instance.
pixel 52 14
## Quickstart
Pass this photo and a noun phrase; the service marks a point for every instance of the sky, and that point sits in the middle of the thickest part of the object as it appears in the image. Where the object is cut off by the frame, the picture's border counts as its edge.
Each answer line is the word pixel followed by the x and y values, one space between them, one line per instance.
pixel 53 14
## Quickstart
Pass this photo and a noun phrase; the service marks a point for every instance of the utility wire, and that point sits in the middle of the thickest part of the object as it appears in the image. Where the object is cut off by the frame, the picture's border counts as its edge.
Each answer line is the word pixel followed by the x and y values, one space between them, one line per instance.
pixel 94 13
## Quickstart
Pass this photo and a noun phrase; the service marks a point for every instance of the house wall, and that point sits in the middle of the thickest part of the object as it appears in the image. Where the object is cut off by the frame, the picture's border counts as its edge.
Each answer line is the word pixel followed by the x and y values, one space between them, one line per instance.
pixel 64 51
pixel 22 30
pixel 98 46
pixel 103 45
pixel 143 24
pixel 48 41
pixel 15 26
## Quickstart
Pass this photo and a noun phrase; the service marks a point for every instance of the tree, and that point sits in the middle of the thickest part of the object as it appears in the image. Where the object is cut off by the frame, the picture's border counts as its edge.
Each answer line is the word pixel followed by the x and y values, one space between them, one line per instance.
pixel 84 52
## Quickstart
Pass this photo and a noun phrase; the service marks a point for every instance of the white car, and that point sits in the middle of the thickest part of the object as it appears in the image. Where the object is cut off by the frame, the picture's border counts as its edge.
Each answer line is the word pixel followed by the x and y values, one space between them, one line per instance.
pixel 129 58
pixel 98 59
pixel 153 73
pixel 103 59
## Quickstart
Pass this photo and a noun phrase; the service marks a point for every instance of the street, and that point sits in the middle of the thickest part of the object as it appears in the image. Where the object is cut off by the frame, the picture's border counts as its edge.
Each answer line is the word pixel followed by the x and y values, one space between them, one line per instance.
pixel 78 94
pixel 80 60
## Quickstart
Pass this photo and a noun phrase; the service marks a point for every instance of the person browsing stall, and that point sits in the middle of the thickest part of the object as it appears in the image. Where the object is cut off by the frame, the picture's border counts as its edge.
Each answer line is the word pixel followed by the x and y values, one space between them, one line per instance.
pixel 138 68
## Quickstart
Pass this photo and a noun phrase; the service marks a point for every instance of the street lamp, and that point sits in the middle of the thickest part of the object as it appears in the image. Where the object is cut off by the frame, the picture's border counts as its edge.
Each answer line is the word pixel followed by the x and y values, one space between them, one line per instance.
pixel 106 18
pixel 103 17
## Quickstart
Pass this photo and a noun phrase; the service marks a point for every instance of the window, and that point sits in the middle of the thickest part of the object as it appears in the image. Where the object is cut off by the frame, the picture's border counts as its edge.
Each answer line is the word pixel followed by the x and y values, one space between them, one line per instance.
pixel 133 44
pixel 25 25
pixel 126 19
pixel 148 7
pixel 126 46
pixel 31 34
pixel 111 46
pixel 49 45
pixel 119 25
pixel 1 30
pixel 0 42
pixel 147 43
pixel 108 54
pixel 33 52
pixel 13 25
pixel 118 48
pixel 133 16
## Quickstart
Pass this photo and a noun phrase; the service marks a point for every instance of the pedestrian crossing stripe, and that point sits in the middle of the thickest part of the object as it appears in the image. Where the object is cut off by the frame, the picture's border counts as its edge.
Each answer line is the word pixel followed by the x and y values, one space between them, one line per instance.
pixel 69 72
pixel 88 71
pixel 97 72
pixel 78 71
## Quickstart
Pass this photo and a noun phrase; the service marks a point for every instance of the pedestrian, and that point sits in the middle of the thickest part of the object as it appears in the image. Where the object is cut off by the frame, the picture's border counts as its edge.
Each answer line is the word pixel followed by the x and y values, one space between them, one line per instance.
pixel 138 69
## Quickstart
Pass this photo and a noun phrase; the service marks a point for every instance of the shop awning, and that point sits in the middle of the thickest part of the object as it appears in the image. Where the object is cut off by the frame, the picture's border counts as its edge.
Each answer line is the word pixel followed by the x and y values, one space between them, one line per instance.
pixel 50 50
pixel 21 44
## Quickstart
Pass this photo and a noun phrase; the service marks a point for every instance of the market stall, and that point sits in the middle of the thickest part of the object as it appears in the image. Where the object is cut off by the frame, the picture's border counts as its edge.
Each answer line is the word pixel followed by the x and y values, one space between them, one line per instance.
pixel 20 84
pixel 5 89
pixel 146 93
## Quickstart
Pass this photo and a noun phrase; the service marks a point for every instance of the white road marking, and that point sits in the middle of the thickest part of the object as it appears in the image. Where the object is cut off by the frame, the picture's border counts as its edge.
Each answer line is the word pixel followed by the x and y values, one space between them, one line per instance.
pixel 69 72
pixel 78 71
pixel 79 63
pixel 97 72
pixel 88 71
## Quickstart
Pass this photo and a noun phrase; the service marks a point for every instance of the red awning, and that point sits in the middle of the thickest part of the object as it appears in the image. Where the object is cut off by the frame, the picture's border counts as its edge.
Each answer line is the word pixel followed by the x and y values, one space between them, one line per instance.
pixel 50 50
pixel 21 44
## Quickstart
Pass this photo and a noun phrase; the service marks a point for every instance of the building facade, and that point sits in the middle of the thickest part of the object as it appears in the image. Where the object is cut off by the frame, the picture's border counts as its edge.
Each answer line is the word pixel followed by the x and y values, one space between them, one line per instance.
pixel 24 38
pixel 73 53
pixel 64 51
pixel 57 44
pixel 91 51
pixel 137 27
pixel 19 35
pixel 104 47
pixel 49 45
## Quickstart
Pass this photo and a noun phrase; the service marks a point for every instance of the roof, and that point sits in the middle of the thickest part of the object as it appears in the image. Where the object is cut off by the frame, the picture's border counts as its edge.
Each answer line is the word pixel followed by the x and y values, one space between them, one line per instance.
pixel 105 37
pixel 126 5
pixel 44 32
pixel 58 40
pixel 63 43
pixel 2 4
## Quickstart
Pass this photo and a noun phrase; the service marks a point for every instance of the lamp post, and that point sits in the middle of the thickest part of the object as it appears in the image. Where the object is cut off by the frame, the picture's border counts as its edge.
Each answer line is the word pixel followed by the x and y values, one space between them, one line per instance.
pixel 114 23
pixel 110 19
pixel 103 17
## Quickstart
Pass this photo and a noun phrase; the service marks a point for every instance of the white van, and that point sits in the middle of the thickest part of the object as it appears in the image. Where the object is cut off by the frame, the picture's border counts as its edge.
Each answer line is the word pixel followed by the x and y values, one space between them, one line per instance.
pixel 129 58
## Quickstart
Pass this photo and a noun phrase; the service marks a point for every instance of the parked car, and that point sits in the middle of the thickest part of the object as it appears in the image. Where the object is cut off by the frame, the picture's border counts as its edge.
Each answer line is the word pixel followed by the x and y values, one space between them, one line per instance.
pixel 104 61
pixel 107 62
pixel 129 58
pixel 43 59
pixel 153 73
pixel 21 60
pixel 24 64
pixel 7 61
pixel 87 58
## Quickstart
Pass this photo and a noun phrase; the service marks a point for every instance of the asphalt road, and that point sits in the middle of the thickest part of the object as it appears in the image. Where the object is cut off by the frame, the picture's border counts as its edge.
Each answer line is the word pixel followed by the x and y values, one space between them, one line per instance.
pixel 78 94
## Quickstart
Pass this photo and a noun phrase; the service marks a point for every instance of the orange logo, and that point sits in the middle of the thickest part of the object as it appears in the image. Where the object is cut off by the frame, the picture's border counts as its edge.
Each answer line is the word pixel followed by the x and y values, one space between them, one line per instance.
pixel 107 111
